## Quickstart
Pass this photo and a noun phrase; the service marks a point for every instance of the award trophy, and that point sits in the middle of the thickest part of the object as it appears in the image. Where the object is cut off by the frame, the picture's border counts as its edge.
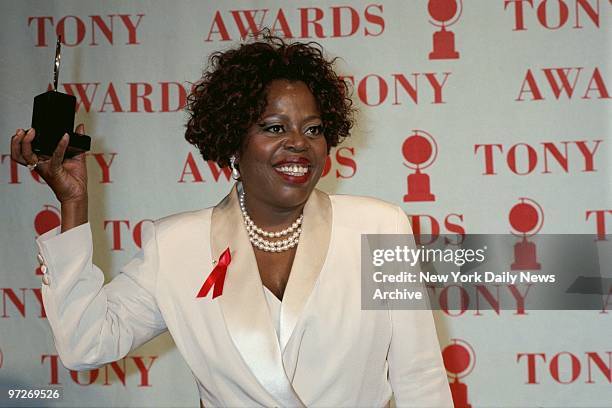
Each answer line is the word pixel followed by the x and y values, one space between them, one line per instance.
pixel 53 116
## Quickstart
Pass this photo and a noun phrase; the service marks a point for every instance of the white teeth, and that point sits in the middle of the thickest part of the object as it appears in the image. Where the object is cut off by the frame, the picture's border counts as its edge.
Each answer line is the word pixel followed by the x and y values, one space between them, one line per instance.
pixel 294 170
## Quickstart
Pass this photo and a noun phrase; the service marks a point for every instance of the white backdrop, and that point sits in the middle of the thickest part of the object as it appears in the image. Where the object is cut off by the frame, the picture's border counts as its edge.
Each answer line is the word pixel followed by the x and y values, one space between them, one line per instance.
pixel 523 111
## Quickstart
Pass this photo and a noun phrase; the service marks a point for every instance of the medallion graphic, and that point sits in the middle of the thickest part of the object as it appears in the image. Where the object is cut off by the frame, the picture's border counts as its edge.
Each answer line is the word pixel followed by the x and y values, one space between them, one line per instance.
pixel 421 150
pixel 459 360
pixel 45 221
pixel 446 13
pixel 526 218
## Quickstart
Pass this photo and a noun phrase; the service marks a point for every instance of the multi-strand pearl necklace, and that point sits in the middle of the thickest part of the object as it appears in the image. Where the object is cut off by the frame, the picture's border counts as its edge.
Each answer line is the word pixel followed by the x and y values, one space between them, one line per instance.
pixel 256 234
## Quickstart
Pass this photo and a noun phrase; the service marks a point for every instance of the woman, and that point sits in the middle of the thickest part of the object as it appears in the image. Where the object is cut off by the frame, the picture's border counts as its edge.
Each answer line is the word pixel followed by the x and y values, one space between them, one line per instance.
pixel 279 321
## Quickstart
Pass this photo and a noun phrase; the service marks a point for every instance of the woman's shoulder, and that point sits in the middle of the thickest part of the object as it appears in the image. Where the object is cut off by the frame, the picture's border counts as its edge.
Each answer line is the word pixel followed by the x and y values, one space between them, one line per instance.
pixel 363 203
pixel 366 213
pixel 183 222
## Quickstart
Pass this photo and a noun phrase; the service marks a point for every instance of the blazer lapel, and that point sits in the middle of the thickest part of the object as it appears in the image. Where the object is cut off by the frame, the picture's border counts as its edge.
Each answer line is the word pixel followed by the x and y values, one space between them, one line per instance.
pixel 243 304
pixel 308 262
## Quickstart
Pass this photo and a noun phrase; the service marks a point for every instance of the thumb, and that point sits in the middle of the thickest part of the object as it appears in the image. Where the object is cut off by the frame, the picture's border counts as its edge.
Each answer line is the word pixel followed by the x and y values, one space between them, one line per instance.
pixel 58 154
pixel 80 128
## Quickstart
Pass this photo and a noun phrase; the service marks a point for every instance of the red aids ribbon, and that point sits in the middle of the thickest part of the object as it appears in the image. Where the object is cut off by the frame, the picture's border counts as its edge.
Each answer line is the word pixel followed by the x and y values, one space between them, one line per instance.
pixel 217 276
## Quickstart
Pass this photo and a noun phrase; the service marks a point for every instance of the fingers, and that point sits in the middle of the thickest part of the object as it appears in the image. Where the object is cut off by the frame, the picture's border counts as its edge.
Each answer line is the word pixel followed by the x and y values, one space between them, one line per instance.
pixel 16 146
pixel 22 153
pixel 26 147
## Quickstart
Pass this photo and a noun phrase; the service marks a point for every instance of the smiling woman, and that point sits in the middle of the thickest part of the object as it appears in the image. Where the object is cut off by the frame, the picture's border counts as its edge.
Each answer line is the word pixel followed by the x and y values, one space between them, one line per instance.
pixel 277 319
pixel 284 152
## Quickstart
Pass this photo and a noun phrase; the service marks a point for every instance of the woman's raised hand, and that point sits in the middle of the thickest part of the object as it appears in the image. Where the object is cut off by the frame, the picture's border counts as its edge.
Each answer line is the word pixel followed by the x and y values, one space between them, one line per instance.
pixel 67 178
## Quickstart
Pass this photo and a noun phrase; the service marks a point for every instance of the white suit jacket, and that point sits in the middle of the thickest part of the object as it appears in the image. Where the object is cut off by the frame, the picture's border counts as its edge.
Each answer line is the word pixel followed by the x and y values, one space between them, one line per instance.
pixel 329 352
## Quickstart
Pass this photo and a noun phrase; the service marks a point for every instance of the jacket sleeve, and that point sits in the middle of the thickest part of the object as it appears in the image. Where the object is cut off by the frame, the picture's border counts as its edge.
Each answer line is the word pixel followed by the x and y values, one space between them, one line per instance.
pixel 92 323
pixel 416 371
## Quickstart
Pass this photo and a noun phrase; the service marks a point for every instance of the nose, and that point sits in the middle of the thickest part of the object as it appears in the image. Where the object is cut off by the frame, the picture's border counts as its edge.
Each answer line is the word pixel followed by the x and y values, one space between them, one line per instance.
pixel 296 141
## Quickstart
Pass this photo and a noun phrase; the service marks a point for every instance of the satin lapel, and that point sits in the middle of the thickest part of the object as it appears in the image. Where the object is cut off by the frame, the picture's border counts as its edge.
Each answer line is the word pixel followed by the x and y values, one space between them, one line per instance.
pixel 244 305
pixel 309 259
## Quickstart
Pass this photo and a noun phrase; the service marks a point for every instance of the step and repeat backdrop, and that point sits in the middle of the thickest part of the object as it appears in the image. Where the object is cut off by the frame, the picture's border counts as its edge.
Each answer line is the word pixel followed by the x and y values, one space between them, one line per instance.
pixel 475 116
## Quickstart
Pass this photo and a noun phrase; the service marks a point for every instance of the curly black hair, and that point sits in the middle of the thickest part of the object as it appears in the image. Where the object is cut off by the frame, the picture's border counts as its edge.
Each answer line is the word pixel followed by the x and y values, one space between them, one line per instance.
pixel 231 95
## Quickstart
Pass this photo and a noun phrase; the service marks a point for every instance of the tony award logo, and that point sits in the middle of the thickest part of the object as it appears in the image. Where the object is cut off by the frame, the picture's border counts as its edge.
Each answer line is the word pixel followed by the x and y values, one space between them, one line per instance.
pixel 459 360
pixel 446 13
pixel 45 221
pixel 526 218
pixel 421 150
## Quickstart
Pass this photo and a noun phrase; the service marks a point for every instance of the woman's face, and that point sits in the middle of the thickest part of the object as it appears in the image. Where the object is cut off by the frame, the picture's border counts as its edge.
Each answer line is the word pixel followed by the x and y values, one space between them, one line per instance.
pixel 284 152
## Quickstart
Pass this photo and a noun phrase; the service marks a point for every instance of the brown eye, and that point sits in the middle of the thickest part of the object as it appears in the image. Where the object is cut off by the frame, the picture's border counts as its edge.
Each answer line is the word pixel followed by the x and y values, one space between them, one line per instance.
pixel 274 129
pixel 315 130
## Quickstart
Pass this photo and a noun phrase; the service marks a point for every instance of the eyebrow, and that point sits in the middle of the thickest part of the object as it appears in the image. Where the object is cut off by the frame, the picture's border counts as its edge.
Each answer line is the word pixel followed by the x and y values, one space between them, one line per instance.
pixel 285 117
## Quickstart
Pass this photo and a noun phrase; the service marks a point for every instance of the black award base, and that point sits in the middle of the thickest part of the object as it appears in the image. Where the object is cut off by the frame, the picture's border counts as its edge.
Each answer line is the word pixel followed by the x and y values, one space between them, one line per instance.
pixel 52 116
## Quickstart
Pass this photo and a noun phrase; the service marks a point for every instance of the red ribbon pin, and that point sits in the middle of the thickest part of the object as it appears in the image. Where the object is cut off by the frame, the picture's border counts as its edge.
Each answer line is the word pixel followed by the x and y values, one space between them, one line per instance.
pixel 217 276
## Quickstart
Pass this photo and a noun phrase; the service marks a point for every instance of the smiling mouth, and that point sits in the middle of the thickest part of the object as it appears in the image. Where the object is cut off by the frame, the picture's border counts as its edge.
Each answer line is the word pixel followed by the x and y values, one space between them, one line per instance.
pixel 293 170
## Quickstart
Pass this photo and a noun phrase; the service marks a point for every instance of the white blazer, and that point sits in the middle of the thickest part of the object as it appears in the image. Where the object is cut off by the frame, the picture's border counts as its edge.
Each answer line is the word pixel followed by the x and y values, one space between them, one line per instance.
pixel 329 352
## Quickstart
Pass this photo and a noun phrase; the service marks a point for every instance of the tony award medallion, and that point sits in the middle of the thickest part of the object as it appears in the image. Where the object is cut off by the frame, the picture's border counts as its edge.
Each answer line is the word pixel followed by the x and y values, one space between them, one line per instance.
pixel 446 12
pixel 52 116
pixel 527 218
pixel 421 150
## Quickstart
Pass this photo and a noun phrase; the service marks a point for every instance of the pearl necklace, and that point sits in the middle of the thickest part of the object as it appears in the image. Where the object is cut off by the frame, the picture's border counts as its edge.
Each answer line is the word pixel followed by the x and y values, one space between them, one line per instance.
pixel 255 233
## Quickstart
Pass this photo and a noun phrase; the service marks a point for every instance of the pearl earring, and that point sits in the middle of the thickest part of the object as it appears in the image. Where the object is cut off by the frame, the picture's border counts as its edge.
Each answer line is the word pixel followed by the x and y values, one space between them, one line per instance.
pixel 235 173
